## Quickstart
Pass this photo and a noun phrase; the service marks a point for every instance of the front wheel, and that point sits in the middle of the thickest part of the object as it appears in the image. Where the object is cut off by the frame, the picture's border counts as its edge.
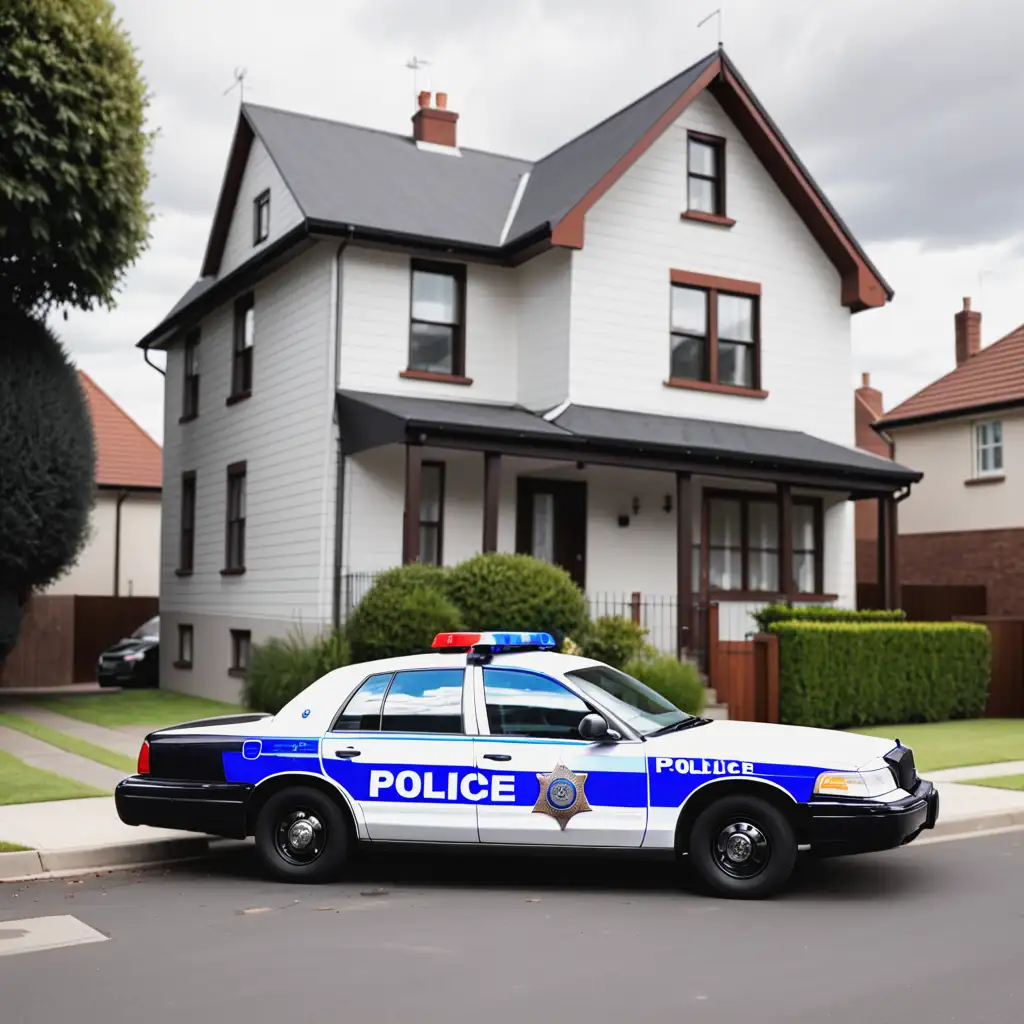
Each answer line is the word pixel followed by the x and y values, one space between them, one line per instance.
pixel 743 847
pixel 302 835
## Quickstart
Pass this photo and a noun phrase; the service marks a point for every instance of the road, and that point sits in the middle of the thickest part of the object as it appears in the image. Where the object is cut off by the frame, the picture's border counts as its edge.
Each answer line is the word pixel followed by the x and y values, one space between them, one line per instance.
pixel 930 933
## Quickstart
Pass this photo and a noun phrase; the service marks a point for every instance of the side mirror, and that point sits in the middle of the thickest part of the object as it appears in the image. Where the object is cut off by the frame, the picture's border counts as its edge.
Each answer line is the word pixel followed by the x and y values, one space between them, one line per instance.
pixel 594 727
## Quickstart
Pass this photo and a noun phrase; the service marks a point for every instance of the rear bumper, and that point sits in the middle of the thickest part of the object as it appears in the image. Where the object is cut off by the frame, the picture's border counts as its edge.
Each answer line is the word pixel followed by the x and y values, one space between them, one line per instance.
pixel 845 827
pixel 215 808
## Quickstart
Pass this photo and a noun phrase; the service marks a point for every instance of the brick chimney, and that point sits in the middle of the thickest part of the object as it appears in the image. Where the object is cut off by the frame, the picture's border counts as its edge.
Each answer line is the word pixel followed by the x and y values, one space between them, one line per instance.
pixel 435 124
pixel 968 332
pixel 868 407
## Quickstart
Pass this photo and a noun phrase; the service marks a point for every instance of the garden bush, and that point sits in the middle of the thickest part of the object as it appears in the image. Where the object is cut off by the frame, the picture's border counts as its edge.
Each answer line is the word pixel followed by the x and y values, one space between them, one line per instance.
pixel 780 612
pixel 513 592
pixel 855 673
pixel 676 681
pixel 398 617
pixel 282 669
pixel 612 639
pixel 413 576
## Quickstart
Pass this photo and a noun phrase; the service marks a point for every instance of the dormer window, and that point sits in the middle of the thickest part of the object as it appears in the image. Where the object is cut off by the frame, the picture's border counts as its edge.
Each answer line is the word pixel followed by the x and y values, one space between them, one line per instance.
pixel 261 218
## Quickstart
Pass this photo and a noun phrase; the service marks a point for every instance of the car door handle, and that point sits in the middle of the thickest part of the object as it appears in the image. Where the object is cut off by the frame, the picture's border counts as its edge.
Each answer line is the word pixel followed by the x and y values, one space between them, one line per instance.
pixel 347 753
pixel 498 757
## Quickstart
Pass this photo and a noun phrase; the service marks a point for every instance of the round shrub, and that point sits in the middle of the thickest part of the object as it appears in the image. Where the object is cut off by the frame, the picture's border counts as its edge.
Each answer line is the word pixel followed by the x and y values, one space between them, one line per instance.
pixel 677 681
pixel 499 591
pixel 413 576
pixel 613 639
pixel 282 669
pixel 394 619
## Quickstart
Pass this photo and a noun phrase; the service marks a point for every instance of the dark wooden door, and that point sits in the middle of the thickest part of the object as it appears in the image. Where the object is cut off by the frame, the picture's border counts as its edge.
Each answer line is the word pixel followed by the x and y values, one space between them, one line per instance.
pixel 551 523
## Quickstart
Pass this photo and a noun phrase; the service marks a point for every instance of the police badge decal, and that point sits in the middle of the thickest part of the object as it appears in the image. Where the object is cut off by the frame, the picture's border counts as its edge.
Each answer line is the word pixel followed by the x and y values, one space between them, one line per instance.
pixel 562 794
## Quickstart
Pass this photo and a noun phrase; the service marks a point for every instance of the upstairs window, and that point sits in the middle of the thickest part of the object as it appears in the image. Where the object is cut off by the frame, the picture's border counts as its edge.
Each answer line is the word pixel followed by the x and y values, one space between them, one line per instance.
pixel 187 542
pixel 705 174
pixel 241 358
pixel 436 328
pixel 988 448
pixel 190 397
pixel 261 218
pixel 234 553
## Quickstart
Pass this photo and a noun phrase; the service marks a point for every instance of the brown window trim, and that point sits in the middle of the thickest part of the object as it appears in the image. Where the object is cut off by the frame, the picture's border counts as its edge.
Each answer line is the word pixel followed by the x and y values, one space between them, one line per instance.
pixel 237 470
pixel 713 285
pixel 240 387
pixel 707 218
pixel 718 143
pixel 439 378
pixel 187 544
pixel 458 272
pixel 180 662
pixel 262 199
pixel 190 381
pixel 240 397
pixel 236 670
pixel 978 481
pixel 440 520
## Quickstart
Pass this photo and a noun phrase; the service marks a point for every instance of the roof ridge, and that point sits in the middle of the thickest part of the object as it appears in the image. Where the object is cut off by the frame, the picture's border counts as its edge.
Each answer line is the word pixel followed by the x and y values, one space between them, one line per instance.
pixel 121 411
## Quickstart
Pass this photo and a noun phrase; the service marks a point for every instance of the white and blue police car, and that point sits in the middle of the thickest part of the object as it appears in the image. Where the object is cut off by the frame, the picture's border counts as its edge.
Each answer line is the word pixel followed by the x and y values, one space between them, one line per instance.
pixel 494 739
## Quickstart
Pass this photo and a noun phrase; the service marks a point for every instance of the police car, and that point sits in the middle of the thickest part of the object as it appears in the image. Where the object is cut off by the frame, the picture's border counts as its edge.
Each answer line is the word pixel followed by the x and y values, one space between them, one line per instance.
pixel 494 739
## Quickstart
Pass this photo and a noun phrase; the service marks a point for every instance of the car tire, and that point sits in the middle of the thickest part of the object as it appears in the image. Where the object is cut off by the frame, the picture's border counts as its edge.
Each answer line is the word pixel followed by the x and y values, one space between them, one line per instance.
pixel 743 847
pixel 302 835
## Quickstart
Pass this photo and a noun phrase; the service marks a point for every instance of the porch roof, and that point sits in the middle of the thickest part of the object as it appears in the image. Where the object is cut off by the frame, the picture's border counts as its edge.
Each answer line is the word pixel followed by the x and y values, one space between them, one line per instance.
pixel 617 437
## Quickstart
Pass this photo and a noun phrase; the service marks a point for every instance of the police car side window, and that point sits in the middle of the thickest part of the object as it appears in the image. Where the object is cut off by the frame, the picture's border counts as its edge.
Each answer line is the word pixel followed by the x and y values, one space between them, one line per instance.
pixel 527 704
pixel 362 711
pixel 425 701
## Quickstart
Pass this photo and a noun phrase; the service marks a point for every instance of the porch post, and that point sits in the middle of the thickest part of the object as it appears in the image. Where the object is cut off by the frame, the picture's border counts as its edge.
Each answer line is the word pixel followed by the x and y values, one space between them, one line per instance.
pixel 684 562
pixel 884 557
pixel 492 493
pixel 786 541
pixel 894 553
pixel 411 522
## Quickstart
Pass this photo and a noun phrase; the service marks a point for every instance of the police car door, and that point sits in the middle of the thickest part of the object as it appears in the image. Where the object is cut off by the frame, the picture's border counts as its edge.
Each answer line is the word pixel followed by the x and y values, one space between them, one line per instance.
pixel 546 786
pixel 398 747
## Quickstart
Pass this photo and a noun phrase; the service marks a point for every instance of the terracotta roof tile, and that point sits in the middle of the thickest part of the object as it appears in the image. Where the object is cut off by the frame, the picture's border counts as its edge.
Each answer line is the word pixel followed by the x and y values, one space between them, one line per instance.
pixel 993 377
pixel 126 456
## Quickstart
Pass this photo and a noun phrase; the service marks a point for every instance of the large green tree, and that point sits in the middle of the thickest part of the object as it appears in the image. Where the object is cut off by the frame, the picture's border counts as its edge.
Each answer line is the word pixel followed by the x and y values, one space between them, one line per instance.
pixel 73 218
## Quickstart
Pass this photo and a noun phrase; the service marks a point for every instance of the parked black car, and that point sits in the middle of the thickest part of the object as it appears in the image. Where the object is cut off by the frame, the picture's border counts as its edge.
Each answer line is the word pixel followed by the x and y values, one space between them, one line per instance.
pixel 134 661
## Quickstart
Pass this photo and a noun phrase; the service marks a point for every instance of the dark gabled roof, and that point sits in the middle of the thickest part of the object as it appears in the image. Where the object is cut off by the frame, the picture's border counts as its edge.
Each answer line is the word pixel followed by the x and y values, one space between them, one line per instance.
pixel 371 420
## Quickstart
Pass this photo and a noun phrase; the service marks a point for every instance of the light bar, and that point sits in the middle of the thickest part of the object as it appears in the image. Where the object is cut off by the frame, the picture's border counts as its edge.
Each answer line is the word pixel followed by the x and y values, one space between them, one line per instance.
pixel 493 640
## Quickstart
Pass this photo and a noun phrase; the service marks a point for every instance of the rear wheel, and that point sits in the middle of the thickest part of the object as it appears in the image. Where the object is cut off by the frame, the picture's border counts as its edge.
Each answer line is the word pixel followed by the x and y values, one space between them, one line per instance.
pixel 302 835
pixel 743 847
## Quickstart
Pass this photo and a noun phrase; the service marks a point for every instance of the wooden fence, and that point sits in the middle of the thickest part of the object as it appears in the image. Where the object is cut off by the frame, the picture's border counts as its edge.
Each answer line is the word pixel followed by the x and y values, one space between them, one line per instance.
pixel 929 603
pixel 1006 691
pixel 61 637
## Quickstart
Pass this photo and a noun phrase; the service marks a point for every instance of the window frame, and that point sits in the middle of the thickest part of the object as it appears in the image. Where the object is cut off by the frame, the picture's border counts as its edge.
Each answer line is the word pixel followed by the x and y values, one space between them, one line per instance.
pixel 439 523
pixel 712 287
pixel 185 629
pixel 187 534
pixel 466 681
pixel 190 381
pixel 718 143
pixel 457 271
pixel 977 448
pixel 260 203
pixel 235 524
pixel 240 639
pixel 241 356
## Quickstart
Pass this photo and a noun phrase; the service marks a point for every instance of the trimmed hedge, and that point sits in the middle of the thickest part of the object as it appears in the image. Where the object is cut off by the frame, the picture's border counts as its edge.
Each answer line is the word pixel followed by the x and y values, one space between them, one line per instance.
pixel 841 674
pixel 613 640
pixel 282 669
pixel 676 681
pixel 779 612
pixel 396 618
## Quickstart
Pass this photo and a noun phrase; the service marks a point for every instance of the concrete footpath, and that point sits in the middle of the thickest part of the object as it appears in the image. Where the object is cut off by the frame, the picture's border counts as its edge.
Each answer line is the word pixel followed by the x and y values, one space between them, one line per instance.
pixel 121 741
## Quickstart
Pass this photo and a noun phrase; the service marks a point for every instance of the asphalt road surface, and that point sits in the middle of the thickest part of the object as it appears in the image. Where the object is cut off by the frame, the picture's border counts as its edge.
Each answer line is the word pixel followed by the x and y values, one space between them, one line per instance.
pixel 930 933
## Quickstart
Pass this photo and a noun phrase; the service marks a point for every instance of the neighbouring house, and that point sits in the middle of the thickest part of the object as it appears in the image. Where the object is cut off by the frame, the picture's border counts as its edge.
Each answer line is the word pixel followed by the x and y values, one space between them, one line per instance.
pixel 121 557
pixel 963 525
pixel 630 358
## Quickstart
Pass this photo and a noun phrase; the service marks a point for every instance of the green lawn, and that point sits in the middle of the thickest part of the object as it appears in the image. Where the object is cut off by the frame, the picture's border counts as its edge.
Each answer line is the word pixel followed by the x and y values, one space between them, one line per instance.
pixel 138 707
pixel 11 847
pixel 957 744
pixel 22 784
pixel 999 782
pixel 71 744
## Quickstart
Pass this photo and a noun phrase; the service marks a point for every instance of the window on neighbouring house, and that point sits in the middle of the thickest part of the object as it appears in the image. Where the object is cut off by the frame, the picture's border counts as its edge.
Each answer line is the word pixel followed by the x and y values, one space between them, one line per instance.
pixel 706 174
pixel 714 336
pixel 432 513
pixel 184 659
pixel 436 329
pixel 261 218
pixel 241 650
pixel 190 398
pixel 234 555
pixel 988 448
pixel 245 337
pixel 187 542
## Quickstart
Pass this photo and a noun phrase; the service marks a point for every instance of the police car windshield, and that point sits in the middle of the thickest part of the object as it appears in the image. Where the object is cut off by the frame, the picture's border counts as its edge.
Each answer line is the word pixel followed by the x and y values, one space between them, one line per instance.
pixel 640 707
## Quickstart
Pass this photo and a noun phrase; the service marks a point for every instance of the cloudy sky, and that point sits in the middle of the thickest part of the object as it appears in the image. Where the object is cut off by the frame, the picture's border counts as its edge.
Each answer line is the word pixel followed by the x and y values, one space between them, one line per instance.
pixel 908 114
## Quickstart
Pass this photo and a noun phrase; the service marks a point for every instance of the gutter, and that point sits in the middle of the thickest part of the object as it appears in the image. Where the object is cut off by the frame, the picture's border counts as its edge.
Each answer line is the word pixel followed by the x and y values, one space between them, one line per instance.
pixel 117 542
pixel 145 355
pixel 339 468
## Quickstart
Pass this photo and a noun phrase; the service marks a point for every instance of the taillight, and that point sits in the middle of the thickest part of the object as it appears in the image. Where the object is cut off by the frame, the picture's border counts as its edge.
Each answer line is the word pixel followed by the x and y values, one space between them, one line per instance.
pixel 143 768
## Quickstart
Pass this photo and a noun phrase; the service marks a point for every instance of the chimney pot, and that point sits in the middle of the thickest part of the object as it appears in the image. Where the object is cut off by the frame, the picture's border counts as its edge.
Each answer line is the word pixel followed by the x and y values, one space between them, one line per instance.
pixel 424 98
pixel 967 331
pixel 967 302
pixel 865 380
pixel 441 100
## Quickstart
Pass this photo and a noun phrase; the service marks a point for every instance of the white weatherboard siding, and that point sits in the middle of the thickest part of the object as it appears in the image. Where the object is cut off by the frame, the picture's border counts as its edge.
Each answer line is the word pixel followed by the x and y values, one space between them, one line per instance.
pixel 260 174
pixel 544 309
pixel 620 291
pixel 944 452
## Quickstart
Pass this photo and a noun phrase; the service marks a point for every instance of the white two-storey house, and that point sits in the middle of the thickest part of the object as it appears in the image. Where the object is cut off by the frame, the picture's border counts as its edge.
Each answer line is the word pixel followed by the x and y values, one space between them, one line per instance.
pixel 631 358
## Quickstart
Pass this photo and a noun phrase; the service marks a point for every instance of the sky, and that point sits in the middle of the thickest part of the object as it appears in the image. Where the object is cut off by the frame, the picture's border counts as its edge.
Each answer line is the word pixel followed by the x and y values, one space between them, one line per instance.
pixel 907 113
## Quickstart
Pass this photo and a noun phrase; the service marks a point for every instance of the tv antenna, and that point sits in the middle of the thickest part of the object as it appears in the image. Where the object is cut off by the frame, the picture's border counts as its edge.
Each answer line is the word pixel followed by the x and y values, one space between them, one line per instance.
pixel 714 14
pixel 238 83
pixel 414 66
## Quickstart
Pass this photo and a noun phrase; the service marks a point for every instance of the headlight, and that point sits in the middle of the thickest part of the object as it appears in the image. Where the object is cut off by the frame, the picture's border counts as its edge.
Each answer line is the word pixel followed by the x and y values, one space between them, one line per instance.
pixel 134 656
pixel 860 784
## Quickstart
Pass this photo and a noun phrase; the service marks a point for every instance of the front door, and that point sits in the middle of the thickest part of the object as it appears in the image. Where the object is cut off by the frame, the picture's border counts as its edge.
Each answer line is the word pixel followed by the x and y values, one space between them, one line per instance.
pixel 551 523
pixel 547 786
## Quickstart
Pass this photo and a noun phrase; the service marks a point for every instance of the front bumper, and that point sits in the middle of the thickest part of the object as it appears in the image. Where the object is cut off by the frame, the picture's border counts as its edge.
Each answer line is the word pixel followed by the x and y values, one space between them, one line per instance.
pixel 215 808
pixel 842 827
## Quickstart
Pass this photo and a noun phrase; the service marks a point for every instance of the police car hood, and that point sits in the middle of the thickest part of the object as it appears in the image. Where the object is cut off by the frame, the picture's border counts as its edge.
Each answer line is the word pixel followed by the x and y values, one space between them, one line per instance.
pixel 772 744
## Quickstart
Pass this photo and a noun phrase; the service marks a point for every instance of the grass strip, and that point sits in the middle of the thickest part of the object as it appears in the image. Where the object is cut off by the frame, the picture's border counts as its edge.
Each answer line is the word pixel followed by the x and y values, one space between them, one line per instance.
pixel 71 744
pixel 153 708
pixel 22 784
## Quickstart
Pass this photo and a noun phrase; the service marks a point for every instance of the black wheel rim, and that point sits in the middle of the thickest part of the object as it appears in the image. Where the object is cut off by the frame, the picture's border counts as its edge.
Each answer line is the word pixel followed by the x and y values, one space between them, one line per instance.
pixel 300 836
pixel 741 850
